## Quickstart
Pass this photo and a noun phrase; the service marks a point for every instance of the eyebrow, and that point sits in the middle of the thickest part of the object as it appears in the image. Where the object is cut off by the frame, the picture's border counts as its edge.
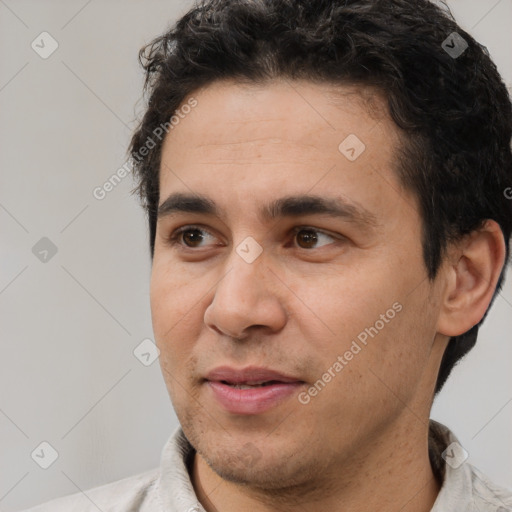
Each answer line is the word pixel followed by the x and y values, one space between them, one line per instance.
pixel 288 206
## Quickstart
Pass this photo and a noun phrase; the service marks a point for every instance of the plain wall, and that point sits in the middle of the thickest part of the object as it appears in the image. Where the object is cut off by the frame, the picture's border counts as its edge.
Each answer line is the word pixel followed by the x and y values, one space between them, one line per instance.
pixel 69 325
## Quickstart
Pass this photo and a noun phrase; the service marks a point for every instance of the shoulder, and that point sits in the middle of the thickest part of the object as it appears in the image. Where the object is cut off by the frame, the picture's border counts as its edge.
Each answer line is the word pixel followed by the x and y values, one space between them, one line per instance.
pixel 487 496
pixel 131 494
pixel 464 487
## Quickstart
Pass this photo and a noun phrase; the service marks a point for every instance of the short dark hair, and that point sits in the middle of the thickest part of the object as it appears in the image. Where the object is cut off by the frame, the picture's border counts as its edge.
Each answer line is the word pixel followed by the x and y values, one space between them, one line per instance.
pixel 453 111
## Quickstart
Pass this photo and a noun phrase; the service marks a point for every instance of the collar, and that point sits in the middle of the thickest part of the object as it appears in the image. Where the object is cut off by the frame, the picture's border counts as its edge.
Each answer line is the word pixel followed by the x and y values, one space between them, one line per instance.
pixel 463 487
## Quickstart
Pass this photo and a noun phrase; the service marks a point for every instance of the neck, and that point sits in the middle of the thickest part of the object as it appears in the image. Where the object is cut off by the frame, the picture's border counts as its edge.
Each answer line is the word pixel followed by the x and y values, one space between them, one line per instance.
pixel 392 473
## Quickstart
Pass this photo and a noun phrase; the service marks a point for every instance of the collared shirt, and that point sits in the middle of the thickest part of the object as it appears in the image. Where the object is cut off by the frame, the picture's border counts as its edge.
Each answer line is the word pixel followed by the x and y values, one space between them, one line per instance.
pixel 169 488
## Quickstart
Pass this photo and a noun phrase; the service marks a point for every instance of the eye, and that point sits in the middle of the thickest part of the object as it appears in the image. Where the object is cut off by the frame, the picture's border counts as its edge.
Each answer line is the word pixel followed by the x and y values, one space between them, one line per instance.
pixel 309 237
pixel 191 236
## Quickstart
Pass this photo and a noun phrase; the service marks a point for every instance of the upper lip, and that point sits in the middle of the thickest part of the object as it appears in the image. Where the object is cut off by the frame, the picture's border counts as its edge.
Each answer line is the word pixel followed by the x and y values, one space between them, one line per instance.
pixel 249 375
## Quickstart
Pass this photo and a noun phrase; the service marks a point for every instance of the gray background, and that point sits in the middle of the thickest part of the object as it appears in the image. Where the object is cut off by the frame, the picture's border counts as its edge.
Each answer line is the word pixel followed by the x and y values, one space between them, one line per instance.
pixel 69 326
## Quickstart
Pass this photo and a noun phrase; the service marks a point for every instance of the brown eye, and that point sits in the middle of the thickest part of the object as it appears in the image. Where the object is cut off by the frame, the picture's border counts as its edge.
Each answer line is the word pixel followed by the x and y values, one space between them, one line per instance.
pixel 192 237
pixel 308 238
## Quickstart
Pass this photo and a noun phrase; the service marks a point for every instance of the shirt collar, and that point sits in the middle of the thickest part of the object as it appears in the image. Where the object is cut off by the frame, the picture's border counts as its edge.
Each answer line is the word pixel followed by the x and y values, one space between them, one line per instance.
pixel 462 486
pixel 175 490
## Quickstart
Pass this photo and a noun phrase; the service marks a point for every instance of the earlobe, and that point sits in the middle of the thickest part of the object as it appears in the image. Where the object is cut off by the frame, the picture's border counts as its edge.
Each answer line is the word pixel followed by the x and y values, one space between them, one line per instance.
pixel 471 278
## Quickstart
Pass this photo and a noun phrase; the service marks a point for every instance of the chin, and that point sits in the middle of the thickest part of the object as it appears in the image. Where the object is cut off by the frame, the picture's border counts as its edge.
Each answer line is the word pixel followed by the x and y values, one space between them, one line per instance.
pixel 250 458
pixel 249 467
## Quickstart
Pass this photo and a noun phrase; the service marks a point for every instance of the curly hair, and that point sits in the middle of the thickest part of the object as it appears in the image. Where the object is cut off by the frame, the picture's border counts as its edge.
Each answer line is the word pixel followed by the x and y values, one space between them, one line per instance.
pixel 454 111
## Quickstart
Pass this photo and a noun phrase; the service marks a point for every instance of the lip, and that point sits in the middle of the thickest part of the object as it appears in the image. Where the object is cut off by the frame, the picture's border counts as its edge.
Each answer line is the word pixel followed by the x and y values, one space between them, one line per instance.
pixel 248 375
pixel 250 401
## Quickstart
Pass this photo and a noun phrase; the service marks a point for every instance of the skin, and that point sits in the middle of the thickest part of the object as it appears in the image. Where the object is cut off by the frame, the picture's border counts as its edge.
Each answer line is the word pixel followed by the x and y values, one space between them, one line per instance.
pixel 361 443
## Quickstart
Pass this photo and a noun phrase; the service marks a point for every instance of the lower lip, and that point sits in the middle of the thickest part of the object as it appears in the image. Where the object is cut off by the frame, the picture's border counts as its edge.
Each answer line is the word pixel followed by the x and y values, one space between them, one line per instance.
pixel 252 401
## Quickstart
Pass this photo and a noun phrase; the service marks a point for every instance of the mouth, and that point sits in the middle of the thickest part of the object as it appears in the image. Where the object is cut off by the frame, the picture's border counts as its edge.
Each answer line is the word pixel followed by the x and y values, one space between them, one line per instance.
pixel 251 385
pixel 249 376
pixel 250 390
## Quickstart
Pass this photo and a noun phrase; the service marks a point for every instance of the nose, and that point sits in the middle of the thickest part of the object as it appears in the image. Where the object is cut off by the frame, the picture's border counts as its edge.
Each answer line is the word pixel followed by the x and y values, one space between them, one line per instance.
pixel 246 298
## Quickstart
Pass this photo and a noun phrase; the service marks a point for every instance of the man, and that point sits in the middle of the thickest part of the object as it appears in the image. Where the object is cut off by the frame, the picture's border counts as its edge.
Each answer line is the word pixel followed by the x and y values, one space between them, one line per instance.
pixel 329 226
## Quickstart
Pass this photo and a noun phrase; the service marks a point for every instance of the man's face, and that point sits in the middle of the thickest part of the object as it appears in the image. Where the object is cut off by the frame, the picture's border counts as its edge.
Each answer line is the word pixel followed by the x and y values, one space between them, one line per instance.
pixel 341 305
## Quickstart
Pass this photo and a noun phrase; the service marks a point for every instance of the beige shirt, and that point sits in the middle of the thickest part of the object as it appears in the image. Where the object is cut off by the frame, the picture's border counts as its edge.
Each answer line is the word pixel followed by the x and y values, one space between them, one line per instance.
pixel 169 488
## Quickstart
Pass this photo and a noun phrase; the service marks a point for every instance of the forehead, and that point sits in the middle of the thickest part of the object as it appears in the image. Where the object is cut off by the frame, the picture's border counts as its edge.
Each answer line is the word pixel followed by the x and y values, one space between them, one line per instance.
pixel 254 140
pixel 301 112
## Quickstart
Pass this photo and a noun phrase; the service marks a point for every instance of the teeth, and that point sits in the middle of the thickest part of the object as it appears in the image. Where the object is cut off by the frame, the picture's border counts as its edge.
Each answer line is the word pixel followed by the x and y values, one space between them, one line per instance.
pixel 249 386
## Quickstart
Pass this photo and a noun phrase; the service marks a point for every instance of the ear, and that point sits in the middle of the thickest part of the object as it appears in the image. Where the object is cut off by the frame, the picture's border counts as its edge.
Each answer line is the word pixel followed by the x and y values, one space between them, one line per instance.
pixel 472 273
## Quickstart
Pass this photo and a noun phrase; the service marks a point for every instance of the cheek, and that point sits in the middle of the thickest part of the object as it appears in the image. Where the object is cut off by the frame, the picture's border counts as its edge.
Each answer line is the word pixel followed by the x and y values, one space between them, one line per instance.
pixel 171 295
pixel 175 312
pixel 374 309
pixel 340 304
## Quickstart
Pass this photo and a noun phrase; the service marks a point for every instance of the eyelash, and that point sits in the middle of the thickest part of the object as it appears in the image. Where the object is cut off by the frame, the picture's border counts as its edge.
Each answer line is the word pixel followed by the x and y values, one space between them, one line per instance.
pixel 173 239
